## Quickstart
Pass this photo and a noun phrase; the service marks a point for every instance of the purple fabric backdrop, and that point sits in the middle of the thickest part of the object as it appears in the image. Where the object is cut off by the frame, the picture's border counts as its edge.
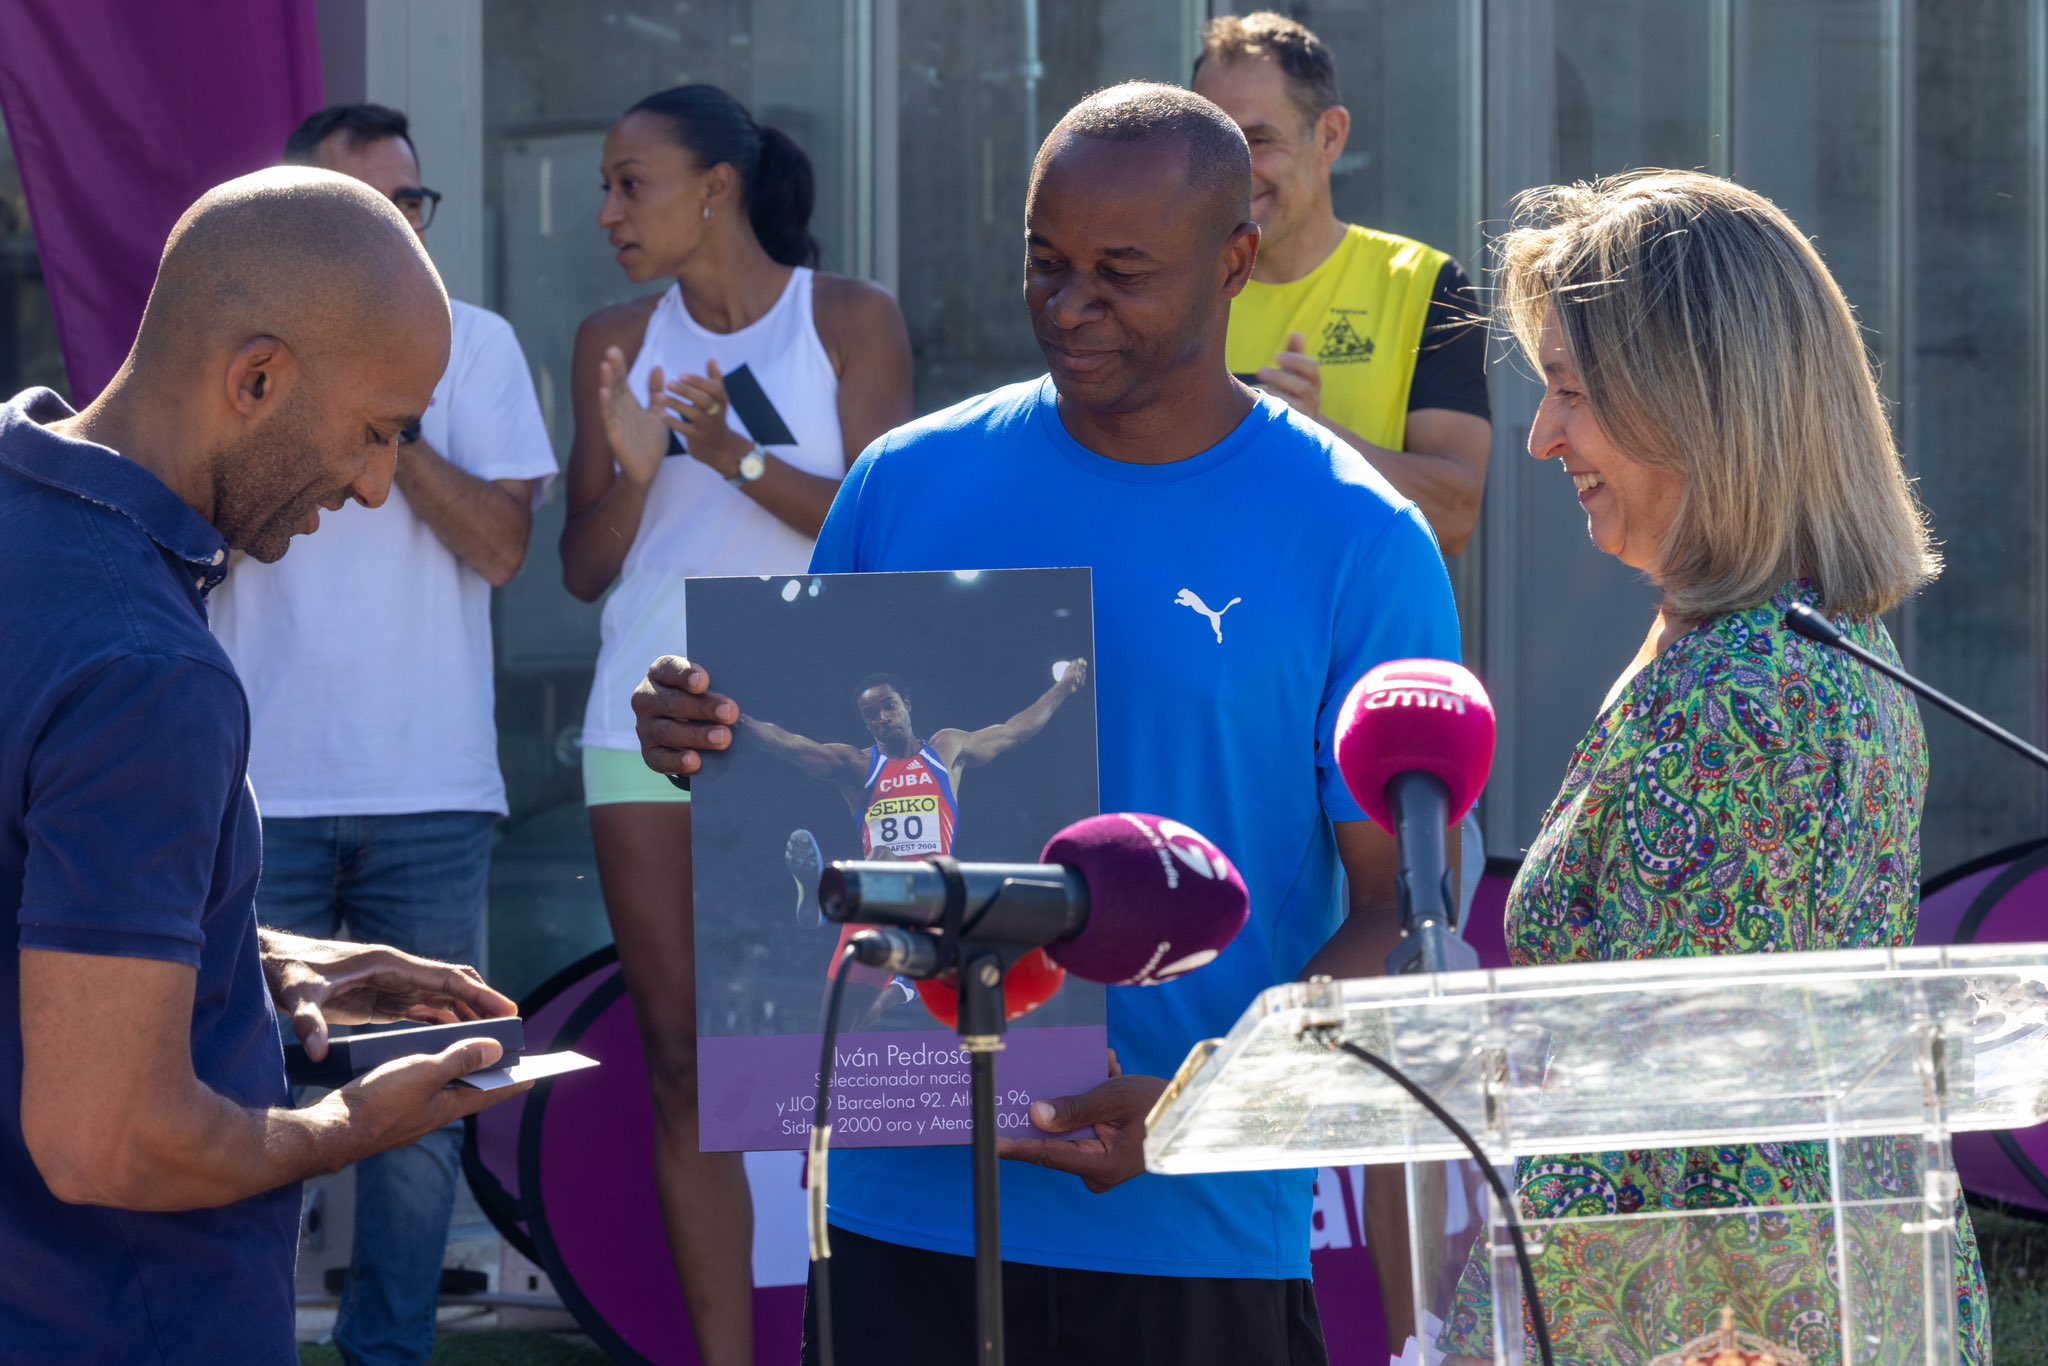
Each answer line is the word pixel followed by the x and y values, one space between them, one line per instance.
pixel 121 114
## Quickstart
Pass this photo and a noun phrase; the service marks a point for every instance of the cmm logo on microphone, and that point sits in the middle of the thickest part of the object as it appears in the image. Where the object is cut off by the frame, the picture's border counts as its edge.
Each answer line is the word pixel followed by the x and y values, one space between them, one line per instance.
pixel 1156 973
pixel 1191 848
pixel 1423 699
pixel 1183 845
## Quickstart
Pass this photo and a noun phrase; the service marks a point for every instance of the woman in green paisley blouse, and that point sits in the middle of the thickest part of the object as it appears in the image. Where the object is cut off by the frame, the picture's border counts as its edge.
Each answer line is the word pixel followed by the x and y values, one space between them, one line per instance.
pixel 1742 790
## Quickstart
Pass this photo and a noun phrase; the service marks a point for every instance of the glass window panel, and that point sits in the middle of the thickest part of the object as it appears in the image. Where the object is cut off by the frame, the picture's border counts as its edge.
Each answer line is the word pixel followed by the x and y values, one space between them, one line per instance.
pixel 555 78
pixel 1634 85
pixel 1813 89
pixel 1936 243
pixel 978 87
pixel 28 333
pixel 1971 414
pixel 1405 72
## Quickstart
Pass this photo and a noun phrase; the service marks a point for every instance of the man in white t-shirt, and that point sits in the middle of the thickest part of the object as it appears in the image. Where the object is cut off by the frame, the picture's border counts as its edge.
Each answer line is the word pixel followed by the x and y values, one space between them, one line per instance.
pixel 366 655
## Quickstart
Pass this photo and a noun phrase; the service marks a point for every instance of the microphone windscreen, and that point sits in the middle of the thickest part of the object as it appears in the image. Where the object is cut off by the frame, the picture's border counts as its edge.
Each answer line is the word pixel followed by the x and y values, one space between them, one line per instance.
pixel 1162 900
pixel 1032 980
pixel 1415 716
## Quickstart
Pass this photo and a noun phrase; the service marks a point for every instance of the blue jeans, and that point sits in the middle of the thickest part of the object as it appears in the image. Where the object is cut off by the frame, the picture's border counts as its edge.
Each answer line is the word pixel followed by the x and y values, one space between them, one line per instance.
pixel 418 883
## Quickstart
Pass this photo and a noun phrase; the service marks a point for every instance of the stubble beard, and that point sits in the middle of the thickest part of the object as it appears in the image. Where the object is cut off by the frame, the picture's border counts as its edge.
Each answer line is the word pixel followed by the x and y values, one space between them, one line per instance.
pixel 259 481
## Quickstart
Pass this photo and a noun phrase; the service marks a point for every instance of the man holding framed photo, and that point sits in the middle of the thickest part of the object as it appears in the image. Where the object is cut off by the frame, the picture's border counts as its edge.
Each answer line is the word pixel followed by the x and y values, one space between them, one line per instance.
pixel 1248 567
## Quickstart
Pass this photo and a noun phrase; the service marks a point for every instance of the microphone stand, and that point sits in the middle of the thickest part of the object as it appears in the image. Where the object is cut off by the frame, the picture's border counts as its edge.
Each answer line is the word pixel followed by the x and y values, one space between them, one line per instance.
pixel 1422 806
pixel 1816 627
pixel 982 960
pixel 982 1025
pixel 982 1022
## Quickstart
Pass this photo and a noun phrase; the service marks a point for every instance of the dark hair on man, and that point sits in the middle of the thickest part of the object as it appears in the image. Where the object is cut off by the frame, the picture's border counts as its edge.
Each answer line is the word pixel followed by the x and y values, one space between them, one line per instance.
pixel 776 183
pixel 1219 160
pixel 358 123
pixel 878 681
pixel 1310 70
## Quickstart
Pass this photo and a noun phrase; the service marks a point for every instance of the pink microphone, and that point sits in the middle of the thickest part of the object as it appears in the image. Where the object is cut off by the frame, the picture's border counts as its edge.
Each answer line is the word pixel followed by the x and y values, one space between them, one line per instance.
pixel 1415 746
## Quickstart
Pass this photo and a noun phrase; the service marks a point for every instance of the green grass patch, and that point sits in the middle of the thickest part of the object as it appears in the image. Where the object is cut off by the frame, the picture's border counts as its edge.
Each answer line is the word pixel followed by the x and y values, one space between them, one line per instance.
pixel 497 1347
pixel 2015 1255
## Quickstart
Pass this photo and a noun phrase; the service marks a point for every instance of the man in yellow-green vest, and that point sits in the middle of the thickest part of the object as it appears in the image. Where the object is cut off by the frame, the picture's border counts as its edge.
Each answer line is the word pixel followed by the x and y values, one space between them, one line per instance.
pixel 1375 336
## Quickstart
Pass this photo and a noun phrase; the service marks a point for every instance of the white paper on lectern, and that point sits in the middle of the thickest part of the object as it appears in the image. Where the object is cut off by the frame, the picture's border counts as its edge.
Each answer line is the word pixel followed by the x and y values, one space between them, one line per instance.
pixel 526 1069
pixel 1422 1352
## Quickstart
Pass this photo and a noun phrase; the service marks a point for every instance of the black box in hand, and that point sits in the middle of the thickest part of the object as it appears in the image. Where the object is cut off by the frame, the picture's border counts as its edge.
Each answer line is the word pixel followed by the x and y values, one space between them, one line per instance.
pixel 350 1057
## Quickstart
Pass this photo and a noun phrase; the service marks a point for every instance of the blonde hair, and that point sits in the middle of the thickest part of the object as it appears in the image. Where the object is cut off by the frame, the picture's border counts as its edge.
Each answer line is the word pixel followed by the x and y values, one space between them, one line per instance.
pixel 1710 338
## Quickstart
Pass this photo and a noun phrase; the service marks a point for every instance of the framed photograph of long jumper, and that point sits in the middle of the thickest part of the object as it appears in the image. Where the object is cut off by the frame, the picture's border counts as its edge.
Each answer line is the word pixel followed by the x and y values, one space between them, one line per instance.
pixel 883 716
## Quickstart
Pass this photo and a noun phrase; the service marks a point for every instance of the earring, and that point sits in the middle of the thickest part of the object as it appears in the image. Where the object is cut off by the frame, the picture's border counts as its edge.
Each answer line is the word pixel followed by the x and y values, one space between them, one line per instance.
pixel 707 213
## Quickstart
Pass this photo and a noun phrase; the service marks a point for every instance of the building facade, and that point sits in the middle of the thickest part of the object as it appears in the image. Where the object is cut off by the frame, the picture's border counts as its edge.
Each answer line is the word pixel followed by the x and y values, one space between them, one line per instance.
pixel 1909 138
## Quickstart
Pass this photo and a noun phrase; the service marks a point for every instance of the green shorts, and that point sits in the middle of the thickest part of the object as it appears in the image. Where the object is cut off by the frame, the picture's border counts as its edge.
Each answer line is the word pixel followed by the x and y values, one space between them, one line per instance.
pixel 613 776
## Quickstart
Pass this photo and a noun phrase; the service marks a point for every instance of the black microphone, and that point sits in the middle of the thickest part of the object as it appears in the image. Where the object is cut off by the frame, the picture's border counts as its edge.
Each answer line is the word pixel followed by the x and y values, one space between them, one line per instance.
pixel 1816 627
pixel 901 953
pixel 1013 903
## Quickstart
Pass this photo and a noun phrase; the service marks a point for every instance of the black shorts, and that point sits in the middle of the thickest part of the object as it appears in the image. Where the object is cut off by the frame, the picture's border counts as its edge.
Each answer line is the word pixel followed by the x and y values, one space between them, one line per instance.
pixel 901 1306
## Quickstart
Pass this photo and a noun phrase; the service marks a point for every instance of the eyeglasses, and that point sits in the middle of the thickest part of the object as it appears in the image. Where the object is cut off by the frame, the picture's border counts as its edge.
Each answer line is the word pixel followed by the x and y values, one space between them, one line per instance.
pixel 417 205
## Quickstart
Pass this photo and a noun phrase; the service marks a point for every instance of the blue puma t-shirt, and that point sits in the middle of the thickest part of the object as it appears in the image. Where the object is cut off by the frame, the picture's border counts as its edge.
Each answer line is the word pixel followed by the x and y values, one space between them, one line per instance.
pixel 1238 596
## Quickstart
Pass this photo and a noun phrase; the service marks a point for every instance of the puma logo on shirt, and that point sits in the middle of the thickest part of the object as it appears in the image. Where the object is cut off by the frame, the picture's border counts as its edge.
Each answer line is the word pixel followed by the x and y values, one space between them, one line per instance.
pixel 1189 598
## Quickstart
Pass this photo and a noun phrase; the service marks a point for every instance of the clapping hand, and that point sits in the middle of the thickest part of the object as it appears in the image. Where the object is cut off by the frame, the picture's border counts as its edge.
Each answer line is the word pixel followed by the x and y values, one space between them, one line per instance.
pixel 700 406
pixel 638 435
pixel 1294 378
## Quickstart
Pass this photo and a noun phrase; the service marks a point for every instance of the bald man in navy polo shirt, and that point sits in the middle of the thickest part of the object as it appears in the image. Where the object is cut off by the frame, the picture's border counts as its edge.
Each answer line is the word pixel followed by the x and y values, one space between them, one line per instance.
pixel 149 1157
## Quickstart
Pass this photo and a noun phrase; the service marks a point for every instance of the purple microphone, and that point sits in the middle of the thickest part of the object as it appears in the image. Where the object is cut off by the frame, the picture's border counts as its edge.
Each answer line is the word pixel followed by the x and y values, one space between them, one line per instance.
pixel 1162 899
pixel 1127 899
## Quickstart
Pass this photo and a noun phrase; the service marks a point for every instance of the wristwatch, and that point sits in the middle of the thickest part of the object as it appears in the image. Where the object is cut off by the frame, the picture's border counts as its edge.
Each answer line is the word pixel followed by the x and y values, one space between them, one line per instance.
pixel 753 465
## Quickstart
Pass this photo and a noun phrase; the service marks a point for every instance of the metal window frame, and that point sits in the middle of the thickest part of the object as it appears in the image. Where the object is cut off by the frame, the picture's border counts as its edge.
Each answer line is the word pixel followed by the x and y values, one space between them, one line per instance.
pixel 1518 150
pixel 428 60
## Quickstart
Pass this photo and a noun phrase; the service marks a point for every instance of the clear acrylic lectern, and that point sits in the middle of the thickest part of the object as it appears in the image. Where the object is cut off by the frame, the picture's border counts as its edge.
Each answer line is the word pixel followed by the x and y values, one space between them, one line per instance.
pixel 1876 1056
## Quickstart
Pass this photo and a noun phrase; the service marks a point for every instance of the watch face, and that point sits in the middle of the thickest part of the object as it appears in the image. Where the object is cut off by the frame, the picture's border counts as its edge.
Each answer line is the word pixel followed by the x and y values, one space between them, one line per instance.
pixel 753 465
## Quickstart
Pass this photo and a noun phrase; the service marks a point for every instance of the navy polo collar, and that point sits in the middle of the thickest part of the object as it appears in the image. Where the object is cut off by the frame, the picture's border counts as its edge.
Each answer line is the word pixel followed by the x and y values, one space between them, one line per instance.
pixel 86 470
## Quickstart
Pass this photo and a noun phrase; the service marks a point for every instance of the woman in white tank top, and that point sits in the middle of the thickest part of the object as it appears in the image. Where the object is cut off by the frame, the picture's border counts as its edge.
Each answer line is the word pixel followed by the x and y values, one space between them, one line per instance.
pixel 770 379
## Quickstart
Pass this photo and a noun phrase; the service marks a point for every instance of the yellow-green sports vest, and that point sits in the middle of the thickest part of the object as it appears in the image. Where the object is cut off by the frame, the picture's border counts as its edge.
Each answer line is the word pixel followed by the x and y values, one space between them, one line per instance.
pixel 1361 313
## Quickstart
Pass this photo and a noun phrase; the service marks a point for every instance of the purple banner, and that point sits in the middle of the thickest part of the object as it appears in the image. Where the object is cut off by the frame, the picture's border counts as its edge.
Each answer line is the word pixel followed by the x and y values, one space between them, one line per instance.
pixel 121 115
pixel 900 1089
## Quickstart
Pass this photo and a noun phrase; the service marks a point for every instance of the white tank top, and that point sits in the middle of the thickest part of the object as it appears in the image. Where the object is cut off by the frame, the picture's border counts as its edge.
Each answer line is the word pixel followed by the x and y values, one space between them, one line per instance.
pixel 695 524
